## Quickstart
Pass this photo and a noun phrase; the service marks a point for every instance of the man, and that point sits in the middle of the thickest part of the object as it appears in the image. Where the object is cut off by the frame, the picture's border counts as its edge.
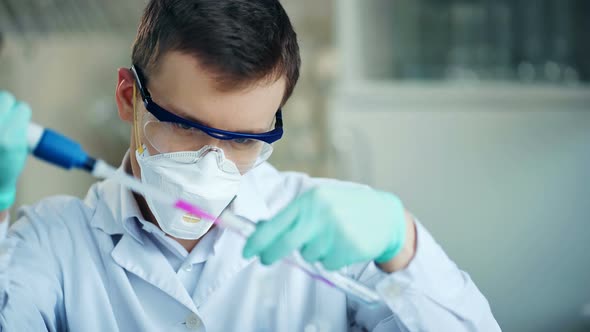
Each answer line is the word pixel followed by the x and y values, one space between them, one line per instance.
pixel 204 99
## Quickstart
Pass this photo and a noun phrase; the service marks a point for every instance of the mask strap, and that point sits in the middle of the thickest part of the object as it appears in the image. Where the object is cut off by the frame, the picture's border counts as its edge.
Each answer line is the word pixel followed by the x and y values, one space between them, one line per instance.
pixel 136 123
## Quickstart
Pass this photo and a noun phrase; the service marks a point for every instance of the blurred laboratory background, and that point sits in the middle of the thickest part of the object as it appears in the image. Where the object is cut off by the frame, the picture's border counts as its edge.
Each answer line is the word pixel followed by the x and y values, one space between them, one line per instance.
pixel 475 112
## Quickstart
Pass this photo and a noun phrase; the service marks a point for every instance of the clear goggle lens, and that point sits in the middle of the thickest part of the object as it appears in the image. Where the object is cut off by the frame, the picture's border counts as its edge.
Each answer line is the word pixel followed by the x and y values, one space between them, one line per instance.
pixel 168 137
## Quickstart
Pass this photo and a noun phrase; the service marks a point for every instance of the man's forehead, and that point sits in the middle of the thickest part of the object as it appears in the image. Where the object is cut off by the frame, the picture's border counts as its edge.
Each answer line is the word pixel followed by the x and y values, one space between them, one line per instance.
pixel 185 88
pixel 179 67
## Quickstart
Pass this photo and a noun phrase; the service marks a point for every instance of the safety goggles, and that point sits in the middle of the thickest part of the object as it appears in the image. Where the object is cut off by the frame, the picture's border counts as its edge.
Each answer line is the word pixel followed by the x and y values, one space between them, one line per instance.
pixel 167 132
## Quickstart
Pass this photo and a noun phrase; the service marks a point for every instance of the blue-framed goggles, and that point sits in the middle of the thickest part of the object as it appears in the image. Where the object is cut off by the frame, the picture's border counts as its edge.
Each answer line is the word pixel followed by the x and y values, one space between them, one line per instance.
pixel 167 132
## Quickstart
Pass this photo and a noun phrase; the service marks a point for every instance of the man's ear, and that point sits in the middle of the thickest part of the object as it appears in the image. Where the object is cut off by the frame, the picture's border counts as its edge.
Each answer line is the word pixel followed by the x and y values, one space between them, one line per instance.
pixel 124 94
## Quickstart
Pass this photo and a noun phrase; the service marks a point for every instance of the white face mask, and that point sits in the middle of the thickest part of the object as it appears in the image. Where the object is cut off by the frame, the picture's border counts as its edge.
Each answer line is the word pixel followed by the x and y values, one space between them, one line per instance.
pixel 203 177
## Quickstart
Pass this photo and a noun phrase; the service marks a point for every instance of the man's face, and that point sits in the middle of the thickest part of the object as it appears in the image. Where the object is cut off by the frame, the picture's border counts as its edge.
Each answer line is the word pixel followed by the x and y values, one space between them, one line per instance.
pixel 186 89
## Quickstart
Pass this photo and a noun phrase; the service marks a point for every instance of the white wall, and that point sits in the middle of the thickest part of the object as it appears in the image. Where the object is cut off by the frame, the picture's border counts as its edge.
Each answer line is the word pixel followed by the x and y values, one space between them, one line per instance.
pixel 69 81
pixel 500 176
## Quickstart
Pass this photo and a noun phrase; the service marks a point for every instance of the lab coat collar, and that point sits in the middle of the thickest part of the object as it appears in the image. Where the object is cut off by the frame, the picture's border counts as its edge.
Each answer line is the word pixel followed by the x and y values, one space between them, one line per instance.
pixel 250 202
pixel 146 261
pixel 116 212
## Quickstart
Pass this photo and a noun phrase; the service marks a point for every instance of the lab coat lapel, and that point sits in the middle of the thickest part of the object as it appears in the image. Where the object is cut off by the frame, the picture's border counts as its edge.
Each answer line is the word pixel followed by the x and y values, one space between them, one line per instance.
pixel 132 253
pixel 222 267
pixel 228 260
pixel 148 263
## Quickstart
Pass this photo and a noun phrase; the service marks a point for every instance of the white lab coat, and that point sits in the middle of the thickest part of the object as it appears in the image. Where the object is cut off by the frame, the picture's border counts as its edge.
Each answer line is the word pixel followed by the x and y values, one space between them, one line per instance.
pixel 71 264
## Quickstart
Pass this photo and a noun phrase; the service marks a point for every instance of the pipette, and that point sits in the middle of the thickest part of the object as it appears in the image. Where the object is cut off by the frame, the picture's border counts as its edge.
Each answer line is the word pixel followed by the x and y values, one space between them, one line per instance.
pixel 64 152
pixel 61 151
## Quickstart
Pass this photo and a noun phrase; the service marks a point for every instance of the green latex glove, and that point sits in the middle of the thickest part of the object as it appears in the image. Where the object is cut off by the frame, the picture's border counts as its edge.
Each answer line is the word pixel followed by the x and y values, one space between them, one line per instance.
pixel 14 121
pixel 337 225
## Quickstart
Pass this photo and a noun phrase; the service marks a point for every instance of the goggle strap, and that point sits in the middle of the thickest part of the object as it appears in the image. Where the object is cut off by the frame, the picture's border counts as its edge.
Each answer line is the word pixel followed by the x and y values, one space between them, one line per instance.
pixel 136 122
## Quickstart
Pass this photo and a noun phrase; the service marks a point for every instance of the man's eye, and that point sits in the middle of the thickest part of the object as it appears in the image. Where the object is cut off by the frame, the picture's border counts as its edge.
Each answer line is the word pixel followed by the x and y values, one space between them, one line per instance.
pixel 183 126
pixel 243 141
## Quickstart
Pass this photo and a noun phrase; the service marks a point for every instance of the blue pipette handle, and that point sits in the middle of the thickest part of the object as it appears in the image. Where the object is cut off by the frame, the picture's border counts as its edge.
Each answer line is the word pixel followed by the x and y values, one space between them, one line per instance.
pixel 57 149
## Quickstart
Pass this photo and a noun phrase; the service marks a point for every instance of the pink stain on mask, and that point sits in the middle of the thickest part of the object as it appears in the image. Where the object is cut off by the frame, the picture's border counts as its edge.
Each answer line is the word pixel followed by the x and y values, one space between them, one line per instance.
pixel 195 211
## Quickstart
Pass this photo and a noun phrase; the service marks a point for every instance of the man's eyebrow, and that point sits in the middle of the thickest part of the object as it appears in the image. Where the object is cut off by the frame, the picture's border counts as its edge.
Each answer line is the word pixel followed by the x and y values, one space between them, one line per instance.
pixel 185 115
pixel 254 131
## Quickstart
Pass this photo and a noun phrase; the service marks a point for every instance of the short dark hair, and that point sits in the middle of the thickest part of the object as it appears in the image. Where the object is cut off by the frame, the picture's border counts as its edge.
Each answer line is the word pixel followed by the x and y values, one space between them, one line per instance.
pixel 241 42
